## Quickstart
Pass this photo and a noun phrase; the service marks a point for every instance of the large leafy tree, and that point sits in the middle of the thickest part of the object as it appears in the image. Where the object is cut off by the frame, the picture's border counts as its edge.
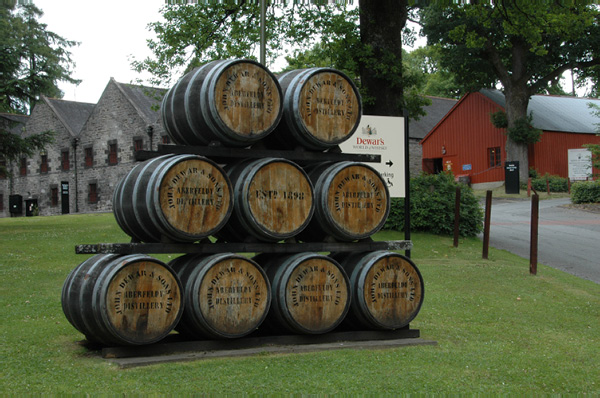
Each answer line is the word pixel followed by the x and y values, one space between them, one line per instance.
pixel 526 46
pixel 33 60
pixel 353 40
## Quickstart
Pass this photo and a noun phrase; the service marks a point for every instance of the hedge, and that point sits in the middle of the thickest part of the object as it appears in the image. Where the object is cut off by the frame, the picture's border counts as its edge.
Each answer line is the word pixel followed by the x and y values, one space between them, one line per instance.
pixel 585 192
pixel 432 202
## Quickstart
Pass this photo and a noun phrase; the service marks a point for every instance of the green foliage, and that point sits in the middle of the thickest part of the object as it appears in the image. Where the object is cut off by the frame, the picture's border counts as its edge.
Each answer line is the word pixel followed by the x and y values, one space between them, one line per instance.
pixel 422 66
pixel 13 146
pixel 586 192
pixel 32 59
pixel 305 33
pixel 556 183
pixel 193 34
pixel 499 119
pixel 522 132
pixel 595 149
pixel 432 204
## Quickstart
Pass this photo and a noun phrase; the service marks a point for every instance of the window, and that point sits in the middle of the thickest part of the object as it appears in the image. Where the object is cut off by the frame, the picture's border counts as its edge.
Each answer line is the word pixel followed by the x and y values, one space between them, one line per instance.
pixel 138 144
pixel 93 193
pixel 494 156
pixel 89 157
pixel 54 196
pixel 166 140
pixel 44 164
pixel 64 161
pixel 112 153
pixel 1 202
pixel 23 167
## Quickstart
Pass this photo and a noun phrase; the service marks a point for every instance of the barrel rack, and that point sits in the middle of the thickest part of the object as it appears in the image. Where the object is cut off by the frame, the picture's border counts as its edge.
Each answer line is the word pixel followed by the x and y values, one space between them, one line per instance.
pixel 173 350
pixel 222 154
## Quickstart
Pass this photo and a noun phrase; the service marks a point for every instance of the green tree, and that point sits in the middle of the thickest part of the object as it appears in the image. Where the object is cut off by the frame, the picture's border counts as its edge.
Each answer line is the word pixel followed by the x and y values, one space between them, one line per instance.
pixel 32 59
pixel 526 46
pixel 434 80
pixel 353 40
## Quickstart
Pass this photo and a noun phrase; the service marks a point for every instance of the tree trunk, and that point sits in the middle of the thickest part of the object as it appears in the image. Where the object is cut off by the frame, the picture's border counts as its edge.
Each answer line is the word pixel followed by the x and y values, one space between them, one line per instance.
pixel 517 100
pixel 381 24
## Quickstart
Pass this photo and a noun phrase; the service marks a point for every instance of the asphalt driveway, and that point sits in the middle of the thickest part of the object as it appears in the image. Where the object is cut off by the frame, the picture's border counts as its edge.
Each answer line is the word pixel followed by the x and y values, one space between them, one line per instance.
pixel 569 238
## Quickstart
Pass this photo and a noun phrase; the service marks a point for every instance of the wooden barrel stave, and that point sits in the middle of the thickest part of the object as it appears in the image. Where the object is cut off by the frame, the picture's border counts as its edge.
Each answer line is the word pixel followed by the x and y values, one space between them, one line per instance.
pixel 178 197
pixel 226 295
pixel 321 109
pixel 310 292
pixel 387 289
pixel 233 102
pixel 273 200
pixel 352 202
pixel 122 299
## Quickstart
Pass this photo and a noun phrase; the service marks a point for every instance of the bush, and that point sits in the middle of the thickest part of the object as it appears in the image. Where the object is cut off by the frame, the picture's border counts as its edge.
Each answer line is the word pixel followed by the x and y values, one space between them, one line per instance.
pixel 432 198
pixel 557 184
pixel 586 192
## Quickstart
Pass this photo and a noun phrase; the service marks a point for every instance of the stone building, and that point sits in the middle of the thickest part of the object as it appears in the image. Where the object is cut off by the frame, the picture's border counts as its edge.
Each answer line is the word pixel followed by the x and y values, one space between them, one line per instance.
pixel 93 148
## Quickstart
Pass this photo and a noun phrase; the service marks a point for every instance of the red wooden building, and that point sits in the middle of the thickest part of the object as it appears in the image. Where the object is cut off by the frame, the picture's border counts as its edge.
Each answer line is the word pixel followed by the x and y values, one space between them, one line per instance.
pixel 466 143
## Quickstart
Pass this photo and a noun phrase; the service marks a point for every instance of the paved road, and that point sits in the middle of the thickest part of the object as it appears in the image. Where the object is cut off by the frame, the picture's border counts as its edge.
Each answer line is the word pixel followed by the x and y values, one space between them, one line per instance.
pixel 569 239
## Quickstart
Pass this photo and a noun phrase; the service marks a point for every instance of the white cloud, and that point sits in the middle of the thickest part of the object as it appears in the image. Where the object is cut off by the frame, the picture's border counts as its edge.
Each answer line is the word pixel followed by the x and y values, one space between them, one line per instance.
pixel 110 32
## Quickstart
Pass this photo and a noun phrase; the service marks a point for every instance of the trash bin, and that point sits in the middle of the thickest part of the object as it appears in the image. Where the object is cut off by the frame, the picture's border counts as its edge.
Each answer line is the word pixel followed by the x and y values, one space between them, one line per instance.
pixel 31 207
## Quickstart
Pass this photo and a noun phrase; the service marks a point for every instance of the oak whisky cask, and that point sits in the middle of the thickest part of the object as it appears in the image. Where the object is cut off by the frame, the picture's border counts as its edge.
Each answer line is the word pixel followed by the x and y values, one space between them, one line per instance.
pixel 233 102
pixel 321 108
pixel 122 299
pixel 387 289
pixel 273 200
pixel 352 201
pixel 179 198
pixel 226 295
pixel 310 292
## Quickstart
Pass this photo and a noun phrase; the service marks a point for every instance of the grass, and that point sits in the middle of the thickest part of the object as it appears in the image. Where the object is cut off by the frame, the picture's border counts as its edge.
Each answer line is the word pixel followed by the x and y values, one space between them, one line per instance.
pixel 500 192
pixel 499 329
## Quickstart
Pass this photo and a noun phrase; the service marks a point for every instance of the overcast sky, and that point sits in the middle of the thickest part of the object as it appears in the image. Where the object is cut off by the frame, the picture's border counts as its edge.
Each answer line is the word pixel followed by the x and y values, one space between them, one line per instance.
pixel 110 32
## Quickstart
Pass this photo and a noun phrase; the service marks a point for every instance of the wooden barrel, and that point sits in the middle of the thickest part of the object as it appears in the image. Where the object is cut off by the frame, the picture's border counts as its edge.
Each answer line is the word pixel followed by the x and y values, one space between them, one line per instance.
pixel 387 289
pixel 321 108
pixel 226 295
pixel 122 299
pixel 234 102
pixel 273 200
pixel 173 197
pixel 351 202
pixel 310 292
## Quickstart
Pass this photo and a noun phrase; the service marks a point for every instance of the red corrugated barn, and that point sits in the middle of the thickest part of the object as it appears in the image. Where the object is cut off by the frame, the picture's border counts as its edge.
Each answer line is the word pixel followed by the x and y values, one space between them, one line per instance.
pixel 466 142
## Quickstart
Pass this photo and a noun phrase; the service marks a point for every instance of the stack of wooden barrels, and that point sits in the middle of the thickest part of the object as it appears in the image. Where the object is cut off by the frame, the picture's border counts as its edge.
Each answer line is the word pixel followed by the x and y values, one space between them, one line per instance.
pixel 135 299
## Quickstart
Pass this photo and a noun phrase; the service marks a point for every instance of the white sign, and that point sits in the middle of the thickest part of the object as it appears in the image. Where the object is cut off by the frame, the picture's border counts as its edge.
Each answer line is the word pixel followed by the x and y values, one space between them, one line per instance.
pixel 580 164
pixel 382 135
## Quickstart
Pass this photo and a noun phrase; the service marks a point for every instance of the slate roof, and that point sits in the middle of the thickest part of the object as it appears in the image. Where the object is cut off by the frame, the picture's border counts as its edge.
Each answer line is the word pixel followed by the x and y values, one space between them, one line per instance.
pixel 72 114
pixel 556 113
pixel 435 112
pixel 145 99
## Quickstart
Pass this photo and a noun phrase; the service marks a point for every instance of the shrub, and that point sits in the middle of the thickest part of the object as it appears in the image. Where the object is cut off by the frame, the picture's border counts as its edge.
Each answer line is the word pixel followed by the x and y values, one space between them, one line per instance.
pixel 432 198
pixel 557 184
pixel 586 192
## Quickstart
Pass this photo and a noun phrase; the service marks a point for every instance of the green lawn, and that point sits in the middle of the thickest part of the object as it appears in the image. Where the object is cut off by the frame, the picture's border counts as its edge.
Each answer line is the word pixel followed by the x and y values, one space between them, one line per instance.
pixel 499 329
